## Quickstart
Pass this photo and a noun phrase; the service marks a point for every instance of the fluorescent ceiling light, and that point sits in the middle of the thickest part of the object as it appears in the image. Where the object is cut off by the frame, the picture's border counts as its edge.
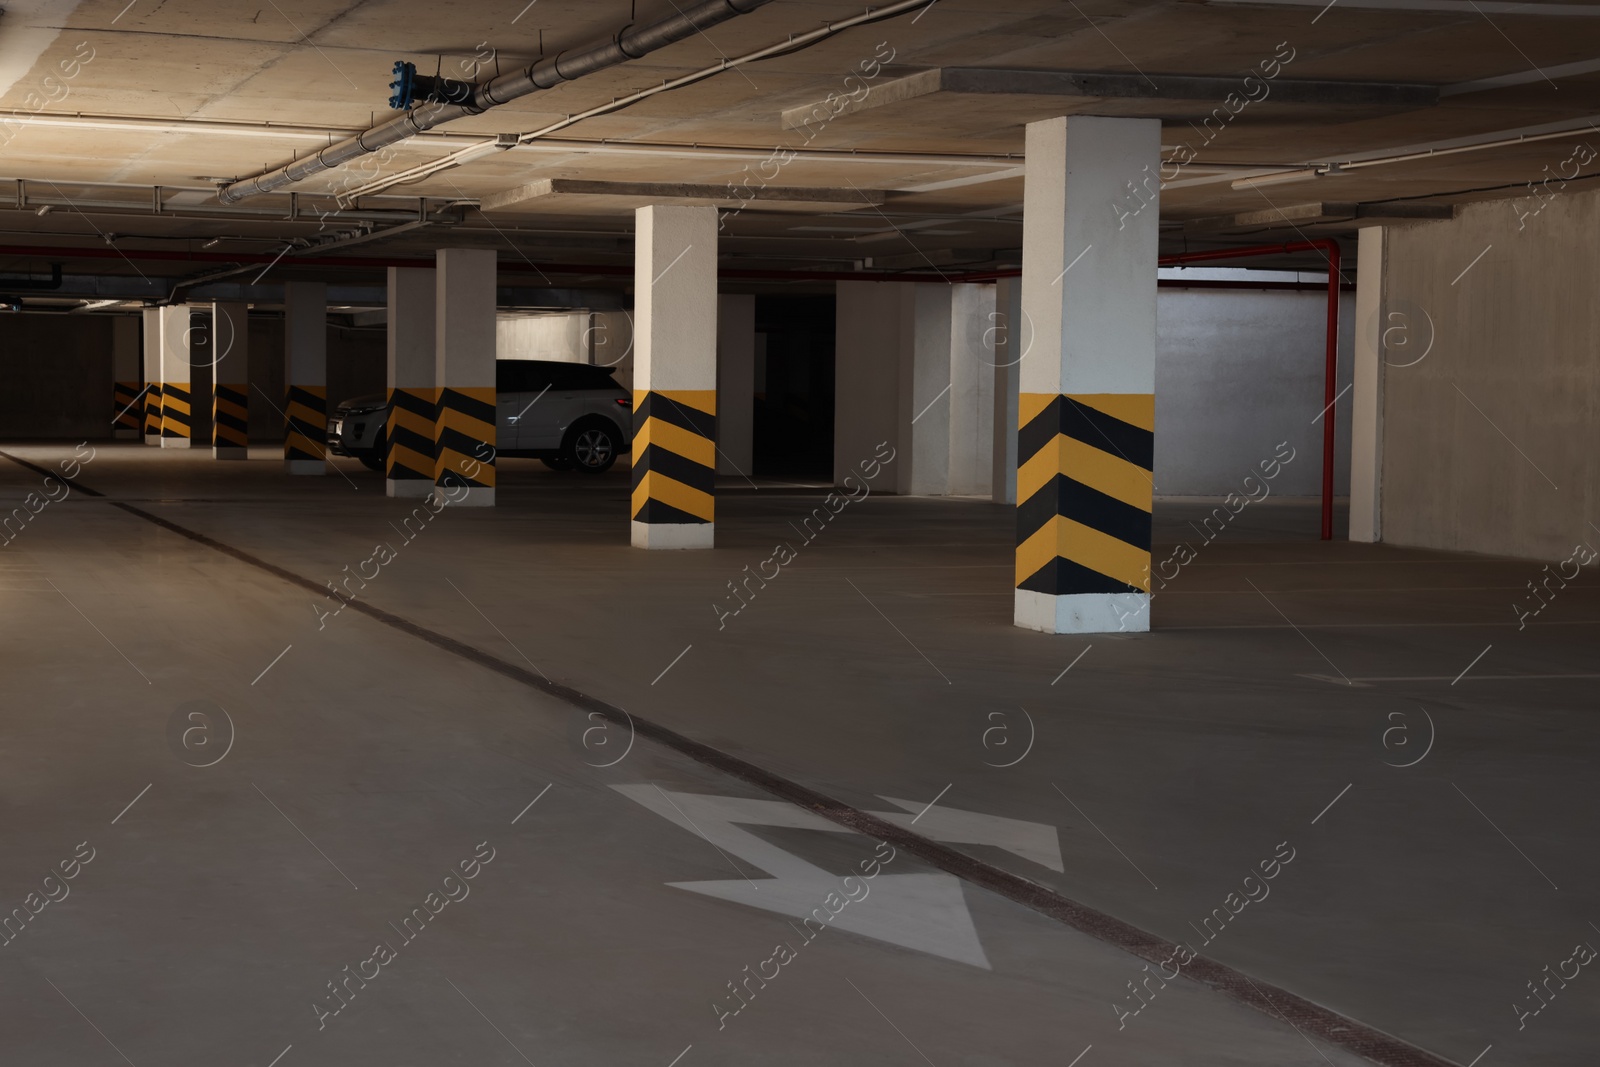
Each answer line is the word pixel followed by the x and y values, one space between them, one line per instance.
pixel 1281 177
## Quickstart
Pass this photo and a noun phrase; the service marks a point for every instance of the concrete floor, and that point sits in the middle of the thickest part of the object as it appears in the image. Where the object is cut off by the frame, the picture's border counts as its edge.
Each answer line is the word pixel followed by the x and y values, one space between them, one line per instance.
pixel 1286 682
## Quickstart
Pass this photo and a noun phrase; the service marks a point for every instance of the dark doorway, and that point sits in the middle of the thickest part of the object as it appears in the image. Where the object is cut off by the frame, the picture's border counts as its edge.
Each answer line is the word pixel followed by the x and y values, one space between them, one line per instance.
pixel 793 435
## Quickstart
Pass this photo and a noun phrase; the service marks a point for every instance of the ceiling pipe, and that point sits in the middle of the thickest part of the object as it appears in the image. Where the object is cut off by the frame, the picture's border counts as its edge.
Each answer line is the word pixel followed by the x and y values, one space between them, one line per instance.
pixel 793 43
pixel 628 43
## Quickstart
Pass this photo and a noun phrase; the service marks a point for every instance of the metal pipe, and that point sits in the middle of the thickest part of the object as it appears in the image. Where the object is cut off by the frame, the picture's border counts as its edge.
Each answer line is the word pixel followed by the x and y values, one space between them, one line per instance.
pixel 630 43
pixel 791 44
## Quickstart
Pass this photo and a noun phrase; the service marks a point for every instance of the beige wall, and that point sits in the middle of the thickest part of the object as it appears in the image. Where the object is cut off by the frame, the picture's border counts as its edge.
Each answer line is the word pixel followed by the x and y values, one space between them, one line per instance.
pixel 1518 336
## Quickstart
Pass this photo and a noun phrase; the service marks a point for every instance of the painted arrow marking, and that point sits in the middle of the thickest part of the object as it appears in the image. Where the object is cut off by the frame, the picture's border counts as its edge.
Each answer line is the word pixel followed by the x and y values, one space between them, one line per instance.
pixel 923 912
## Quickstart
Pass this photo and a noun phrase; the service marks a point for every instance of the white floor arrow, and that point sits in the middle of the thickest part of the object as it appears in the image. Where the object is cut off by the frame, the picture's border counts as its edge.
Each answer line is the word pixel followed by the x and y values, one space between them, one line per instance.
pixel 923 912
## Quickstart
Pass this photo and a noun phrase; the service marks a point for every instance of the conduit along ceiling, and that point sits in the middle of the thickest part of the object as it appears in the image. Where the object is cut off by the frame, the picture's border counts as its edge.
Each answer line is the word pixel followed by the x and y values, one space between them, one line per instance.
pixel 857 140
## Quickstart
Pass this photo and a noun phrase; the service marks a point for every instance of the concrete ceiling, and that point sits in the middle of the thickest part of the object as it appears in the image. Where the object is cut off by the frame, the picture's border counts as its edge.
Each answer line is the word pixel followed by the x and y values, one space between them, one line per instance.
pixel 127 114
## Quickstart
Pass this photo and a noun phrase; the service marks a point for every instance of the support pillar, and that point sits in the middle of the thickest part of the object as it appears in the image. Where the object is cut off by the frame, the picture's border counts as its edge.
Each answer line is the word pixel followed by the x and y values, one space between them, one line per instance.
pixel 127 400
pixel 1010 339
pixel 464 367
pixel 675 377
pixel 924 407
pixel 408 460
pixel 1086 409
pixel 971 429
pixel 150 336
pixel 305 332
pixel 177 377
pixel 867 351
pixel 1366 412
pixel 736 383
pixel 230 376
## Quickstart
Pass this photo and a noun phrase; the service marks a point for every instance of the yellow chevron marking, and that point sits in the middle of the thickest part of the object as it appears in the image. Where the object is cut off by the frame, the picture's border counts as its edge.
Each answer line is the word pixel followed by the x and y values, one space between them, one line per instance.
pixel 685 443
pixel 1135 409
pixel 1084 546
pixel 657 486
pixel 1029 405
pixel 701 400
pixel 1111 475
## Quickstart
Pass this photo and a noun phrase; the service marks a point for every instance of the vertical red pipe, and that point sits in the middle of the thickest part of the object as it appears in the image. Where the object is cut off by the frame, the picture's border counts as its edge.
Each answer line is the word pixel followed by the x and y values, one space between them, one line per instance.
pixel 1329 396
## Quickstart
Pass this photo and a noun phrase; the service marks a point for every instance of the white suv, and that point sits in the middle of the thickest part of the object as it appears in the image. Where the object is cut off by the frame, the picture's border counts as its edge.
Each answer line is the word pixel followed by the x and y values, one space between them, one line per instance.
pixel 569 415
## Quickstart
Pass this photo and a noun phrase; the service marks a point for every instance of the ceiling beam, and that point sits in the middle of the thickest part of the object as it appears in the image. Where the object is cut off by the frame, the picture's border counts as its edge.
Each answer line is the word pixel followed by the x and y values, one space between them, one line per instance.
pixel 1317 213
pixel 1106 85
pixel 621 196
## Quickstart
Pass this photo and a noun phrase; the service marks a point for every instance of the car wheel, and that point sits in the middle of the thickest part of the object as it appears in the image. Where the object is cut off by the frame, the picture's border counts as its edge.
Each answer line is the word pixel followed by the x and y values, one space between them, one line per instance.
pixel 592 447
pixel 556 463
pixel 372 461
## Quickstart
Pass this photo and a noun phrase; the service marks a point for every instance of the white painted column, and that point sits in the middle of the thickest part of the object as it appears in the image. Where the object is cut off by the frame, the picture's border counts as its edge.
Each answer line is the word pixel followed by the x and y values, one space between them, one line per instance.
pixel 675 377
pixel 1366 396
pixel 408 466
pixel 1009 339
pixel 1086 409
pixel 464 367
pixel 177 378
pixel 736 383
pixel 127 401
pixel 150 347
pixel 971 389
pixel 230 375
pixel 305 332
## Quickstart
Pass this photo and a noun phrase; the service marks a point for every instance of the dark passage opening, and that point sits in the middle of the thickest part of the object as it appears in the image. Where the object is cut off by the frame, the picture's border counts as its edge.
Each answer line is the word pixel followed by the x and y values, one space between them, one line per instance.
pixel 793 433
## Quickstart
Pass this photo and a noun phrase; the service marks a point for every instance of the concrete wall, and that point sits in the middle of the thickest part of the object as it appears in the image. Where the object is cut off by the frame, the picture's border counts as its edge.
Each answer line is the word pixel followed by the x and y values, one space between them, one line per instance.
pixel 1237 372
pixel 563 337
pixel 55 376
pixel 1490 441
pixel 611 344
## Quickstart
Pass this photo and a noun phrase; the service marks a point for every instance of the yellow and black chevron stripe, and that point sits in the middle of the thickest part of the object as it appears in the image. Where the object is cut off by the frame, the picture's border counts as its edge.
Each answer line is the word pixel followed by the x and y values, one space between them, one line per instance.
pixel 230 417
pixel 1084 492
pixel 409 434
pixel 177 415
pixel 305 436
pixel 674 455
pixel 152 409
pixel 124 397
pixel 464 439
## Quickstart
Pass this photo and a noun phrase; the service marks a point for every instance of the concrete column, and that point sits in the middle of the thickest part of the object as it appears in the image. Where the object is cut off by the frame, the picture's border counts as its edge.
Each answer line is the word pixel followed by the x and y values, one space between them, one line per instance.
pixel 464 367
pixel 971 404
pixel 1086 410
pixel 736 383
pixel 150 338
pixel 177 378
pixel 674 377
pixel 923 448
pixel 1366 410
pixel 127 399
pixel 408 466
pixel 1010 340
pixel 230 375
pixel 866 377
pixel 305 333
